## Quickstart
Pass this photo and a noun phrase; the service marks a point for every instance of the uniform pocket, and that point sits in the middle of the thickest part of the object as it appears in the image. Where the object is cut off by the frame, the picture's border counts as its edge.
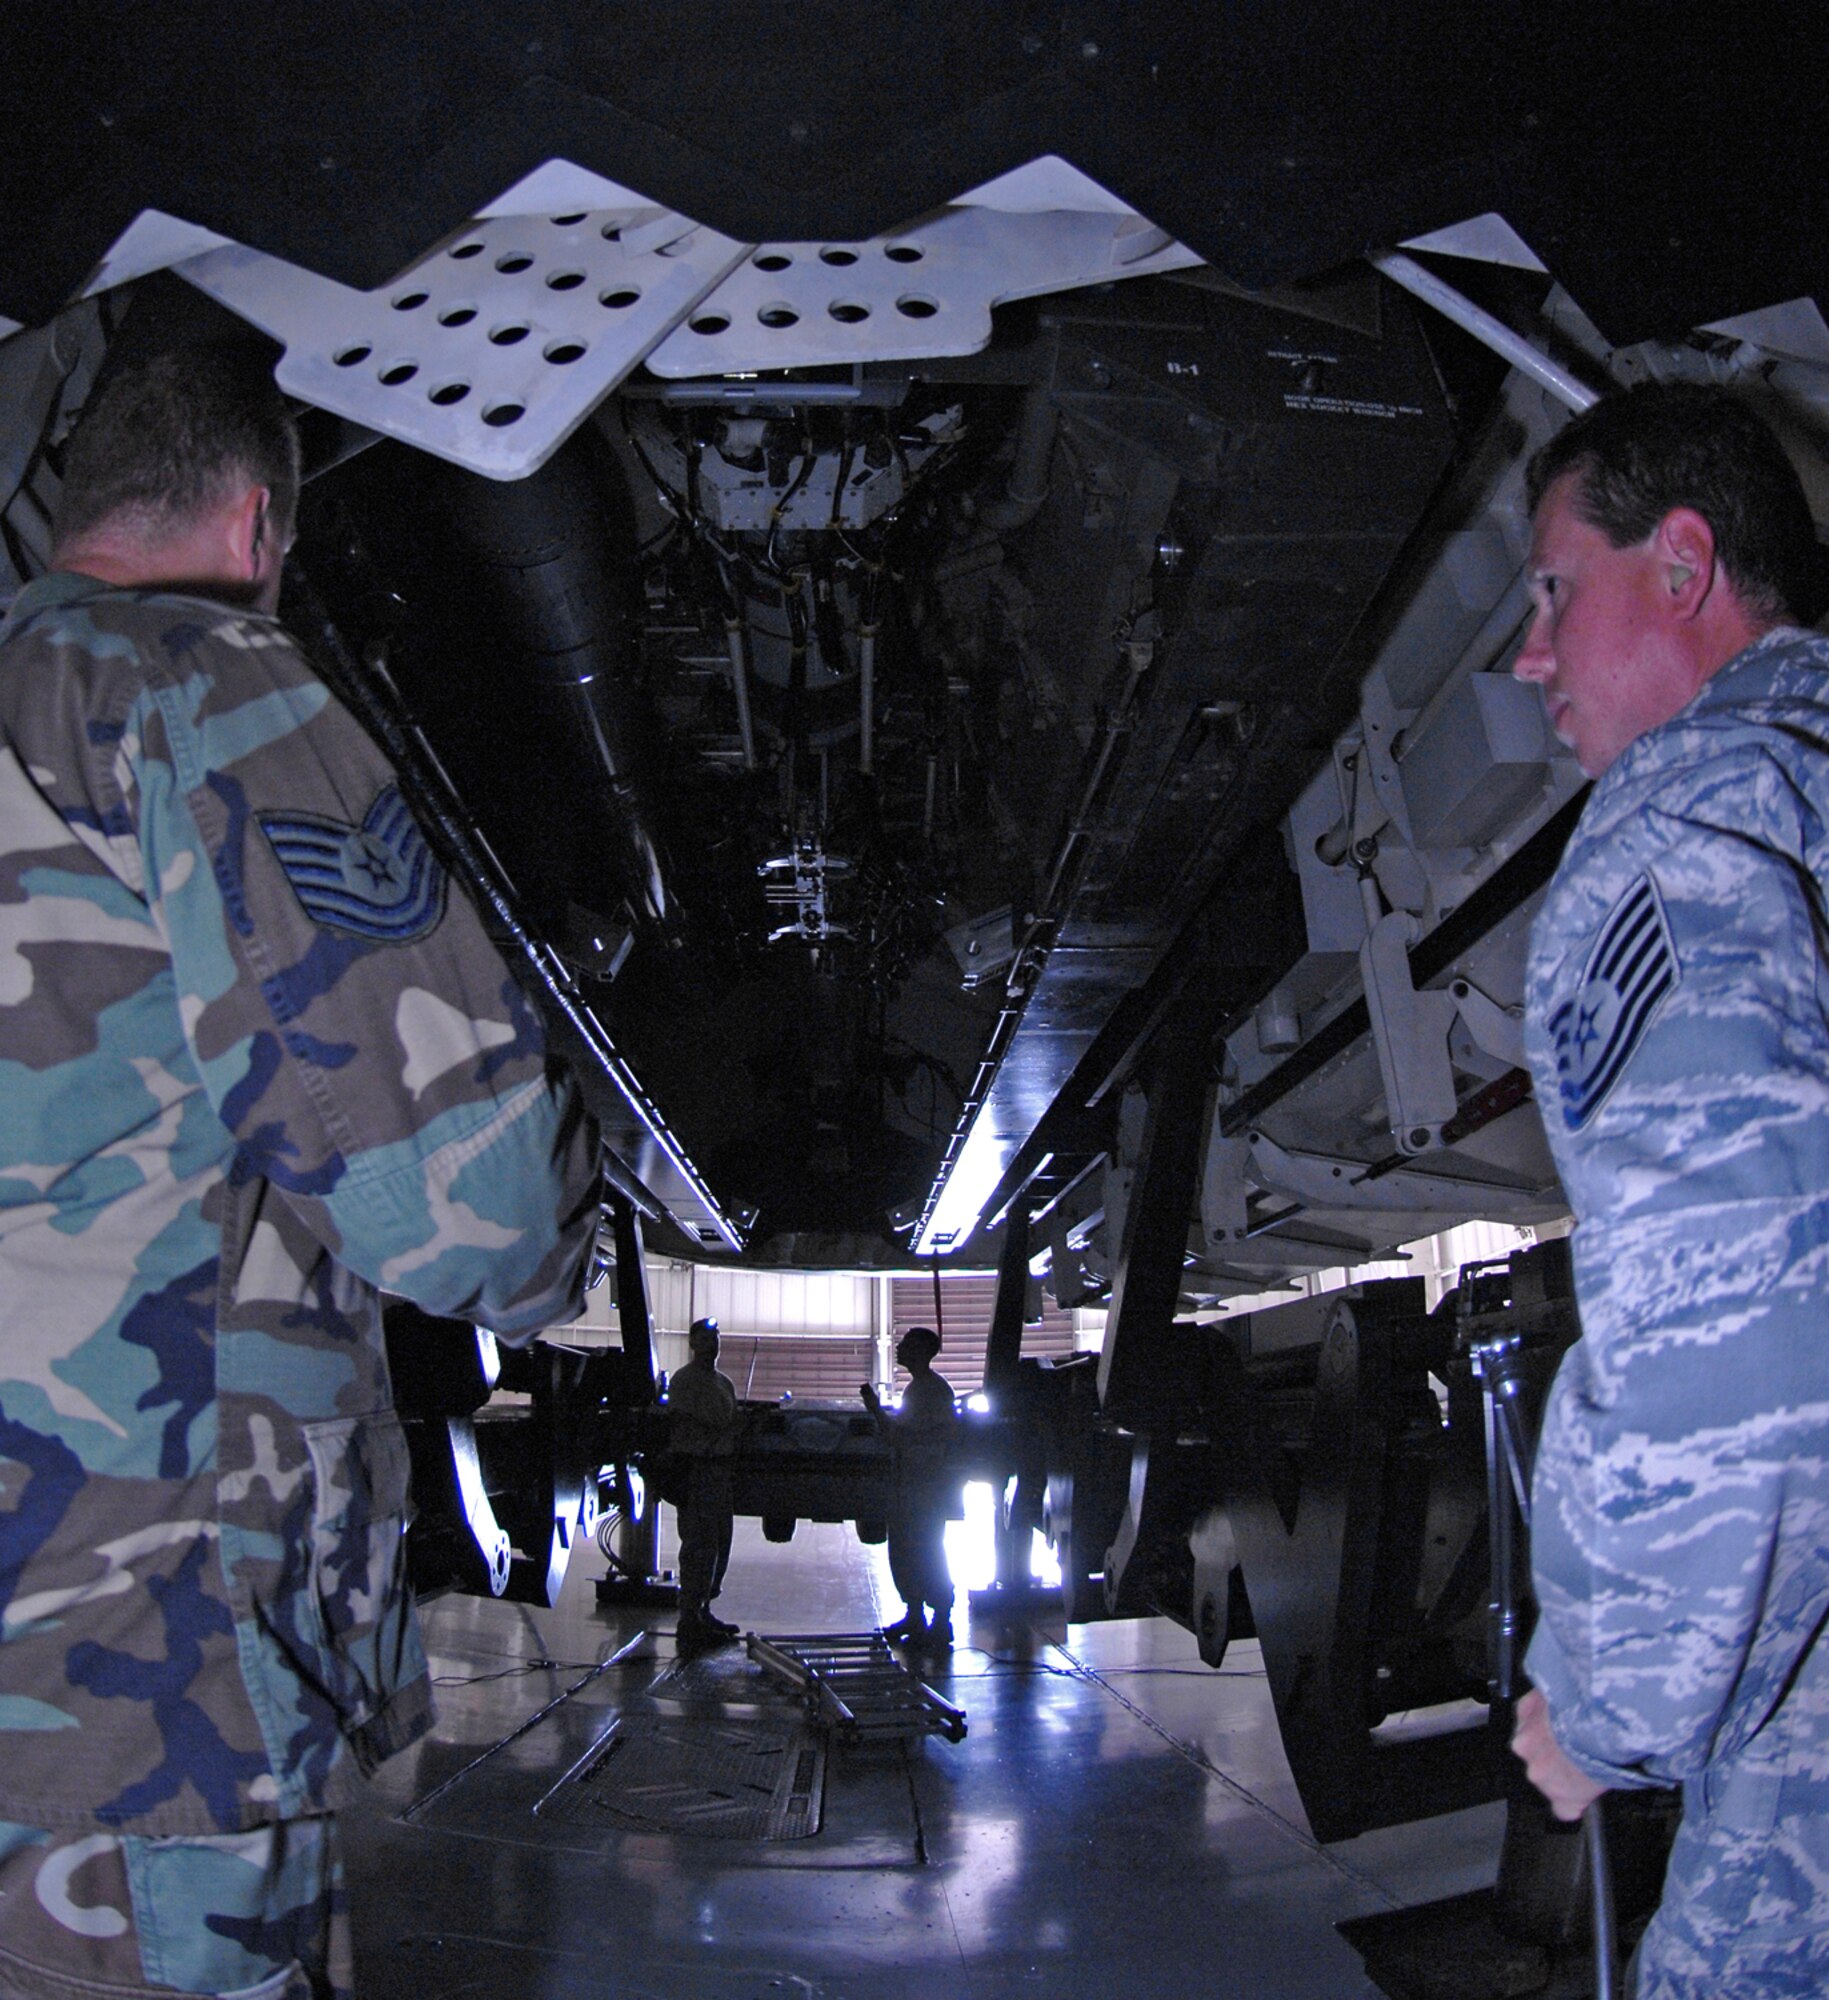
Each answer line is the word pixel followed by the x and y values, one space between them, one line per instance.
pixel 357 1592
pixel 239 1915
pixel 1720 1882
pixel 1740 1800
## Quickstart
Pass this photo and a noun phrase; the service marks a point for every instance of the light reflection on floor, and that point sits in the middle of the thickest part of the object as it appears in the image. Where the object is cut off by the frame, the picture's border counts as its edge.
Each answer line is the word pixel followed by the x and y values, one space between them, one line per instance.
pixel 1118 1820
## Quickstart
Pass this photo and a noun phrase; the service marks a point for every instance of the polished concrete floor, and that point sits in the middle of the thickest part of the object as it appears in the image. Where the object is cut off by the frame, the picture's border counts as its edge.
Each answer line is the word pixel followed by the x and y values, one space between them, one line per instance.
pixel 1119 1821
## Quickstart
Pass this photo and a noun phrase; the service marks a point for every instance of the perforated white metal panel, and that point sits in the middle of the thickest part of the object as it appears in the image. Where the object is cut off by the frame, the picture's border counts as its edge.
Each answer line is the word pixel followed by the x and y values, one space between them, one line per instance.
pixel 492 348
pixel 495 347
pixel 923 292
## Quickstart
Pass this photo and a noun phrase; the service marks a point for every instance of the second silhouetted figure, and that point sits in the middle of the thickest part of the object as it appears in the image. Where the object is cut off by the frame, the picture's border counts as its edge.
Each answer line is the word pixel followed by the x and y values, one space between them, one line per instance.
pixel 920 1496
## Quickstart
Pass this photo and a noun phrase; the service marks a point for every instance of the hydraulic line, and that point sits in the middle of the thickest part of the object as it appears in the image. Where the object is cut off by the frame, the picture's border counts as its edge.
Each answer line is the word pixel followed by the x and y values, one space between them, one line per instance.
pixel 737 650
pixel 1490 332
pixel 866 700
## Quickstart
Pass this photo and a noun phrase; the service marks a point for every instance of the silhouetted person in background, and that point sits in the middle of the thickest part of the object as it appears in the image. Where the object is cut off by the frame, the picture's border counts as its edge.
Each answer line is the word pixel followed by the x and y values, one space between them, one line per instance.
pixel 920 1492
pixel 705 1422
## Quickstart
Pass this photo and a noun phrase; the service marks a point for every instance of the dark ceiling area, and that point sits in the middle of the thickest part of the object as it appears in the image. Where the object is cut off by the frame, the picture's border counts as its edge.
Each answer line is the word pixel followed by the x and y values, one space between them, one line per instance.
pixel 1278 141
pixel 950 797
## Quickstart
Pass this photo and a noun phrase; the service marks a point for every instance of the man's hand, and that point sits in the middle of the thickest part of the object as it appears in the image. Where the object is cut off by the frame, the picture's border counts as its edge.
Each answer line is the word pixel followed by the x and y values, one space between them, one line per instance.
pixel 1568 1788
pixel 872 1401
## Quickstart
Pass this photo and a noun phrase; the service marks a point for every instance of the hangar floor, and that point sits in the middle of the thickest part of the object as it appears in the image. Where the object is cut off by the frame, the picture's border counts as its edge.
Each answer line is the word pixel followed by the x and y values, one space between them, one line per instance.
pixel 1119 1820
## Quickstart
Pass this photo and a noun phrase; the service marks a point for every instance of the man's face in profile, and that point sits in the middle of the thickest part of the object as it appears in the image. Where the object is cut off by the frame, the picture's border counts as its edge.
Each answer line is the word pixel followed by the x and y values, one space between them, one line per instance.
pixel 1599 642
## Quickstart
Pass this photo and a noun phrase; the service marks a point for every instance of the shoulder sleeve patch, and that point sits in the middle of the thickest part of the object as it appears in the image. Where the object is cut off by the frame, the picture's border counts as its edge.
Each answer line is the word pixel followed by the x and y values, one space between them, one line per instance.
pixel 1632 966
pixel 378 880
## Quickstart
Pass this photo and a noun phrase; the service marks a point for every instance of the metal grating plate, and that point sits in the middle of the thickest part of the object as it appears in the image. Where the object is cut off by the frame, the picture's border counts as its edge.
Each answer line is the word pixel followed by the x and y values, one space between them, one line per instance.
pixel 721 1678
pixel 923 292
pixel 718 1778
pixel 491 350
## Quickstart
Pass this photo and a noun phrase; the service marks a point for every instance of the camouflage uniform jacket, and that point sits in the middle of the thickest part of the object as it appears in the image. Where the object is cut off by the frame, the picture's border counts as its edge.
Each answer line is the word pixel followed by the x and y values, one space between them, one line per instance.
pixel 1679 1013
pixel 257 1060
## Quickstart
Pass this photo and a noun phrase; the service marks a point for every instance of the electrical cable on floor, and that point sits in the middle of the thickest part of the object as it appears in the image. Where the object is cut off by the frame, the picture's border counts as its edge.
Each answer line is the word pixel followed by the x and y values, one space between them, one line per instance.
pixel 1010 1665
pixel 1071 1673
pixel 1195 1673
pixel 521 1667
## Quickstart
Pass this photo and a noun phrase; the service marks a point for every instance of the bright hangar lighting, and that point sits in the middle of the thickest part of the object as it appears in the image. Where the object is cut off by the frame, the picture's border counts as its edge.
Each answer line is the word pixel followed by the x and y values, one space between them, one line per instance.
pixel 975 1173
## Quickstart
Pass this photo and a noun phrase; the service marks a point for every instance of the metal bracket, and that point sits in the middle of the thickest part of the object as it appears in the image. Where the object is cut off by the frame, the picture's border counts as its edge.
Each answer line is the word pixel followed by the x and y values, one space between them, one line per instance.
pixel 1068 1277
pixel 1318 1180
pixel 1497 1030
pixel 1224 1214
pixel 1381 722
pixel 1410 1033
pixel 798 881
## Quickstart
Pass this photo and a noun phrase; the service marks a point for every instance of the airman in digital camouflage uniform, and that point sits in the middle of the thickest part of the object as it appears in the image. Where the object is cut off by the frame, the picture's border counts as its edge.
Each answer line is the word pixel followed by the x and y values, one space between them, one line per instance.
pixel 1678 1006
pixel 258 1062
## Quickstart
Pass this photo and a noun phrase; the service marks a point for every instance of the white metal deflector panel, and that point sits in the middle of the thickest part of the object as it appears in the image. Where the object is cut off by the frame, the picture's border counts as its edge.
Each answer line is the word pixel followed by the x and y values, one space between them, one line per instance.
pixel 918 294
pixel 493 349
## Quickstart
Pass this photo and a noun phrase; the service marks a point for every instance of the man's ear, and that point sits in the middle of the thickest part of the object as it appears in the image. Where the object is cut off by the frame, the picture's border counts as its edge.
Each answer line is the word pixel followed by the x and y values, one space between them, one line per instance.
pixel 1684 545
pixel 246 526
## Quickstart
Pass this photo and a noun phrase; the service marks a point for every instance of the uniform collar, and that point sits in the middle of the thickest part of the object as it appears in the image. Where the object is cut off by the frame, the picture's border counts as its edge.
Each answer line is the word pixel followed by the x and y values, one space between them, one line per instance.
pixel 63 587
pixel 51 593
pixel 1719 687
pixel 1725 687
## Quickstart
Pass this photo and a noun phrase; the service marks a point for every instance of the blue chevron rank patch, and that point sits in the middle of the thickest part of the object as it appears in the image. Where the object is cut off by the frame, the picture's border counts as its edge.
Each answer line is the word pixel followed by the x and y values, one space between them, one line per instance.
pixel 378 880
pixel 1632 966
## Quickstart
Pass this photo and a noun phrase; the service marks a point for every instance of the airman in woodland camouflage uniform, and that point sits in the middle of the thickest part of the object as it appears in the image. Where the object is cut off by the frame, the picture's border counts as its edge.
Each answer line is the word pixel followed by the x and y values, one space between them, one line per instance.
pixel 258 1063
pixel 1679 1019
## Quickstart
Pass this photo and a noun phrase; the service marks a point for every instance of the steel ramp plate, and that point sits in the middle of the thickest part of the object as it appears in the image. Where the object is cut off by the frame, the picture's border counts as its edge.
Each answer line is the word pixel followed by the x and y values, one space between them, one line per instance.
pixel 731 1779
pixel 721 1680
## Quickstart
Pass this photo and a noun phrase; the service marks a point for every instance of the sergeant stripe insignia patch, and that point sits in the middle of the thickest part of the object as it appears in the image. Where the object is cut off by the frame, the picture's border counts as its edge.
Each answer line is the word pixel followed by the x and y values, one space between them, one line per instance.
pixel 1632 966
pixel 378 880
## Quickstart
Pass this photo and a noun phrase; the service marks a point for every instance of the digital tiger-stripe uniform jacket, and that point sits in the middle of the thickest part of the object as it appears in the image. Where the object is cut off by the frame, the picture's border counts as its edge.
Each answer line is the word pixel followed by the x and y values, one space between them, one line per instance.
pixel 1678 1012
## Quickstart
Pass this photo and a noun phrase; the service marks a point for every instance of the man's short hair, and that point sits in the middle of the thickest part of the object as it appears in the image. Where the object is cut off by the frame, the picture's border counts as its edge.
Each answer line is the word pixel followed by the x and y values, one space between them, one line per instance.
pixel 923 1337
pixel 172 436
pixel 701 1330
pixel 1640 452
